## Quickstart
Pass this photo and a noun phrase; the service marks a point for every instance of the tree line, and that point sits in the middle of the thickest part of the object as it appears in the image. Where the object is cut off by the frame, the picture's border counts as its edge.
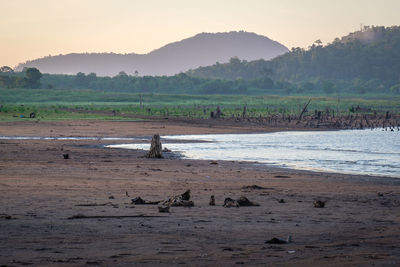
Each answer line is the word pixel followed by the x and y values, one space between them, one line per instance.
pixel 364 61
pixel 177 84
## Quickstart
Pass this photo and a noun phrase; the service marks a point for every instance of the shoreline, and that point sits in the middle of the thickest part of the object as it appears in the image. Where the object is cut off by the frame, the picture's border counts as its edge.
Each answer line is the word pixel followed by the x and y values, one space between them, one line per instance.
pixel 133 139
pixel 40 190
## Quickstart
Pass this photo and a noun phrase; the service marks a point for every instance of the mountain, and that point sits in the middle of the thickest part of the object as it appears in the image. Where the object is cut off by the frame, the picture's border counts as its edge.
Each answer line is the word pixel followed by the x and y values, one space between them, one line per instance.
pixel 200 50
pixel 364 60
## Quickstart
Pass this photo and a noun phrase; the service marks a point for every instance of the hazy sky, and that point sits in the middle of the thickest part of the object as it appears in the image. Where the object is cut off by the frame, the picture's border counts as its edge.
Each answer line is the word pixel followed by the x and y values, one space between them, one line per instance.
pixel 35 28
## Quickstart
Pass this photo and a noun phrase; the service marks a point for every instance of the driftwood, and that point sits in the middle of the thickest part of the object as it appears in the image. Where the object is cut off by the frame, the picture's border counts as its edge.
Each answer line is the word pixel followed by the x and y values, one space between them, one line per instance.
pixel 240 202
pixel 97 205
pixel 155 148
pixel 182 200
pixel 163 209
pixel 276 241
pixel 229 203
pixel 141 201
pixel 245 202
pixel 254 187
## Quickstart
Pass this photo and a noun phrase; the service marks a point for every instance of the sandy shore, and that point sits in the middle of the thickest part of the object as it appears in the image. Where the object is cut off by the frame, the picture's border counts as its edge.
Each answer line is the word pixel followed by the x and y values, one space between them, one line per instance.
pixel 40 191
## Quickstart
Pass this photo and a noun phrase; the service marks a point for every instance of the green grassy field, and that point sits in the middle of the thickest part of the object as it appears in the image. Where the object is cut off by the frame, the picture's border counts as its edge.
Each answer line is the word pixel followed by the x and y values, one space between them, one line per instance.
pixel 88 104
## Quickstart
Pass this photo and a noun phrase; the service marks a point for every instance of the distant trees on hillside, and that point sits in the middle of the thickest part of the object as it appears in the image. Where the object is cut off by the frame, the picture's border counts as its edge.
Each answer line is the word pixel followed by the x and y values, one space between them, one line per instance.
pixel 28 78
pixel 364 61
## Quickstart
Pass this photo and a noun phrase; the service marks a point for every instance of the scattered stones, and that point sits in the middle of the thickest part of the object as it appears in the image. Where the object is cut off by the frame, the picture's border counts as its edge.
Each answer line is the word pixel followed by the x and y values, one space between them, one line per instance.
pixel 111 197
pixel 212 201
pixel 319 204
pixel 281 200
pixel 66 156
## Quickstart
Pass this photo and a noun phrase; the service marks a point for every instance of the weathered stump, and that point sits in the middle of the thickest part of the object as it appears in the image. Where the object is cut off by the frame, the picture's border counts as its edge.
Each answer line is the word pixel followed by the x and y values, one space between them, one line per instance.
pixel 155 148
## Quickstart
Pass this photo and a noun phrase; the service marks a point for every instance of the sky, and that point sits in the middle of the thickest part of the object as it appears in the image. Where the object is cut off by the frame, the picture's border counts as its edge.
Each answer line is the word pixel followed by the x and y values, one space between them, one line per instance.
pixel 31 29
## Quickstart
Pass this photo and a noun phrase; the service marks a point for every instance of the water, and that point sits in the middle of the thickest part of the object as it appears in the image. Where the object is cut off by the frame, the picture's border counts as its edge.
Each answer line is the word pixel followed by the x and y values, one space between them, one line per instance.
pixel 71 138
pixel 373 152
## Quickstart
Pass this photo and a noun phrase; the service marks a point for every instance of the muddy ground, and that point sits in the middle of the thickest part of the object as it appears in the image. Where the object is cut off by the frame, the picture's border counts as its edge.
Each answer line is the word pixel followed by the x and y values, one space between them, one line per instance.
pixel 41 192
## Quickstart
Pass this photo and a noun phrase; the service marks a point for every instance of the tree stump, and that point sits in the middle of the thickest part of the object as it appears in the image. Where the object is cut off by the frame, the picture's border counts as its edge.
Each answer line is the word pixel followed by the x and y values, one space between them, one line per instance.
pixel 155 148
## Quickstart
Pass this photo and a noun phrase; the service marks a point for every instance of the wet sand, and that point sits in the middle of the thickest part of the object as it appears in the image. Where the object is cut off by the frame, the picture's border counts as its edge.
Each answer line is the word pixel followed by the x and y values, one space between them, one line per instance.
pixel 40 191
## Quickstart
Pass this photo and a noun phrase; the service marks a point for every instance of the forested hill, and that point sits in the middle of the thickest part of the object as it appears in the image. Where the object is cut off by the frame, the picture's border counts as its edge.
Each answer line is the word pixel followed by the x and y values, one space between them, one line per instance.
pixel 201 50
pixel 369 59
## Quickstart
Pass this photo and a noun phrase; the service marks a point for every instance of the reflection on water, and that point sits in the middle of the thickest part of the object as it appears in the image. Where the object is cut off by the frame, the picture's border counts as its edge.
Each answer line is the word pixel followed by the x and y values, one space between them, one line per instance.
pixel 374 152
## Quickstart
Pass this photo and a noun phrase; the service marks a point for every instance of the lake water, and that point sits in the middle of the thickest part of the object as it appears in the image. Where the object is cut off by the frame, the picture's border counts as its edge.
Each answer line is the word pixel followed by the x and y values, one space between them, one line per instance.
pixel 374 152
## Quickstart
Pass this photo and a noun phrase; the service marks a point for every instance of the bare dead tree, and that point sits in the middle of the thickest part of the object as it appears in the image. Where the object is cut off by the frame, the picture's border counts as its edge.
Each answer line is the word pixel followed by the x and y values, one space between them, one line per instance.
pixel 304 110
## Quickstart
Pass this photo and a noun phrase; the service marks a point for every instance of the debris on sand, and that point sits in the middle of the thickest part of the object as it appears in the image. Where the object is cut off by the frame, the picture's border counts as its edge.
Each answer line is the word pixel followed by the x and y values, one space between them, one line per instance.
pixel 253 187
pixel 163 209
pixel 212 201
pixel 281 200
pixel 66 156
pixel 245 202
pixel 240 202
pixel 229 203
pixel 7 217
pixel 166 150
pixel 182 200
pixel 138 201
pixel 319 204
pixel 97 205
pixel 213 162
pixel 276 241
pixel 281 176
pixel 141 201
pixel 82 216
pixel 155 148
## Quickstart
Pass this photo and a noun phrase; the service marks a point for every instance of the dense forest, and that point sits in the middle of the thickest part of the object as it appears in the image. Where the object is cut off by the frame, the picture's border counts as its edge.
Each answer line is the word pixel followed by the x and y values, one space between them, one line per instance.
pixel 366 61
pixel 363 61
